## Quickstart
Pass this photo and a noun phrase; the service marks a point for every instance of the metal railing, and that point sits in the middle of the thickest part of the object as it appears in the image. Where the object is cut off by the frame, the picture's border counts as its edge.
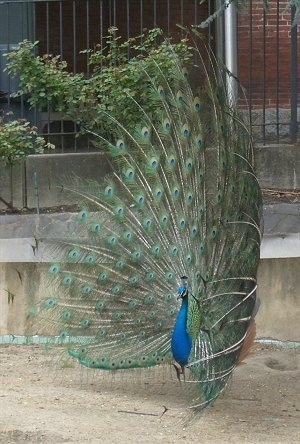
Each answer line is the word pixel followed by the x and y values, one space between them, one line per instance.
pixel 268 74
pixel 268 65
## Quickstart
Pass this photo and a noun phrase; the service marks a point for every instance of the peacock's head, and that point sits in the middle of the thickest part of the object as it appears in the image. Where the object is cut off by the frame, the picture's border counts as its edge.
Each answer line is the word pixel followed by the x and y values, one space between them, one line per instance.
pixel 182 289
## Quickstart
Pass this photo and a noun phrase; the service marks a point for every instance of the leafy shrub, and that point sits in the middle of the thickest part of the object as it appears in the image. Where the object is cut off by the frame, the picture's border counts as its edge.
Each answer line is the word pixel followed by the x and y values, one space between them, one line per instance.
pixel 119 76
pixel 18 139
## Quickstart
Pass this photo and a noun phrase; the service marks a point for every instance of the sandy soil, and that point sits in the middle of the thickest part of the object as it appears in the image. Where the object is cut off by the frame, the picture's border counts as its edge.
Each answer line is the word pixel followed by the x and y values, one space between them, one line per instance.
pixel 39 404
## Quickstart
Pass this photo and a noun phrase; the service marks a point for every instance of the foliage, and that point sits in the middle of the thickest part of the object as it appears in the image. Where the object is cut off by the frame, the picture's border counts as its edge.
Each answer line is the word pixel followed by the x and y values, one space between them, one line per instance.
pixel 18 139
pixel 119 75
pixel 44 78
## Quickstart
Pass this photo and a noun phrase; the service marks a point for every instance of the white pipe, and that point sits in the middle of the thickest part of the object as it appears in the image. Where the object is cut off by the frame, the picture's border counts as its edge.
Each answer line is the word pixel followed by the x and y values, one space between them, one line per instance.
pixel 230 24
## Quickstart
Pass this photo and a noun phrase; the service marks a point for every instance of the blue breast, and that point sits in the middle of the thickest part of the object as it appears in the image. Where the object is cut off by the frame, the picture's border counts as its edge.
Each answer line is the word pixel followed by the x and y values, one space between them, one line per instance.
pixel 181 342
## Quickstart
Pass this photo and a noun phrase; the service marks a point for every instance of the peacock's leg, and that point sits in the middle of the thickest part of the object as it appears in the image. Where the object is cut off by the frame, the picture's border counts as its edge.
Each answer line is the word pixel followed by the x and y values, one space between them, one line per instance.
pixel 180 370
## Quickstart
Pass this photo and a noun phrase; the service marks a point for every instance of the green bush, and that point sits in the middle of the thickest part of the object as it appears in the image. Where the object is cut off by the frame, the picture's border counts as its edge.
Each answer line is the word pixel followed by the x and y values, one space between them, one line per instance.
pixel 18 139
pixel 120 74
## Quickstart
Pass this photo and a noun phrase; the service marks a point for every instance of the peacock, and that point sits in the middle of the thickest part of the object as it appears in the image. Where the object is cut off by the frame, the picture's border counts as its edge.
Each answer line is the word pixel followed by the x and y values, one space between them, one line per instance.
pixel 159 264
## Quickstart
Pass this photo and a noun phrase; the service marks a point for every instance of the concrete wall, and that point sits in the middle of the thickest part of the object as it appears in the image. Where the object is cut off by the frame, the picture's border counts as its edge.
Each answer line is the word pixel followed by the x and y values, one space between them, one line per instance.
pixel 277 167
pixel 53 172
pixel 279 293
pixel 278 290
pixel 12 182
pixel 20 268
pixel 19 287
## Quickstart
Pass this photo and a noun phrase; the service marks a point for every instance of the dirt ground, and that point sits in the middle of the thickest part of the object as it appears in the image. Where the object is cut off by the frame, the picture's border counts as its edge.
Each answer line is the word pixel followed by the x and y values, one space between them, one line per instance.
pixel 44 402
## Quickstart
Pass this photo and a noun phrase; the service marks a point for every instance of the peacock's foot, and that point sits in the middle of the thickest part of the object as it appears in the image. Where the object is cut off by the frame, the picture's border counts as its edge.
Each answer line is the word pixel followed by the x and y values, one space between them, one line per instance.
pixel 180 370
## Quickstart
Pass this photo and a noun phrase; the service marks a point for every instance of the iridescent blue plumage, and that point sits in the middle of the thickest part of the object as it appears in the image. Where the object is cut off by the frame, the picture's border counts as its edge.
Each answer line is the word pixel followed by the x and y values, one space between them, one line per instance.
pixel 181 342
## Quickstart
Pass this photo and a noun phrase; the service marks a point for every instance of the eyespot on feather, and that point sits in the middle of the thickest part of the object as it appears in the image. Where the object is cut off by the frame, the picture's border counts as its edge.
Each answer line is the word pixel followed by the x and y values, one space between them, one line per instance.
pixel 179 98
pixel 197 103
pixel 145 132
pixel 166 124
pixel 185 131
pixel 161 91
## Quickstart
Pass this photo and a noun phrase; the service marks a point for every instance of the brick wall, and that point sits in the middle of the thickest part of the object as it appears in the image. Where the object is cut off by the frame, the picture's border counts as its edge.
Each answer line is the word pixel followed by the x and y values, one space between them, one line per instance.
pixel 264 53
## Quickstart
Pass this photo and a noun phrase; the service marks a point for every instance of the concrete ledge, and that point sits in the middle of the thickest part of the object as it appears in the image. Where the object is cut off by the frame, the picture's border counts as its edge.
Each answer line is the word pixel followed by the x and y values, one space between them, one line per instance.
pixel 277 166
pixel 281 218
pixel 20 249
pixel 280 246
pixel 281 233
pixel 24 249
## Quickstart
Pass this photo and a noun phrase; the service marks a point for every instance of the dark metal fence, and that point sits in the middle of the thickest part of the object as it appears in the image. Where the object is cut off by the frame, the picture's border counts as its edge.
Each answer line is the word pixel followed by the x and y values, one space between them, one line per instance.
pixel 267 67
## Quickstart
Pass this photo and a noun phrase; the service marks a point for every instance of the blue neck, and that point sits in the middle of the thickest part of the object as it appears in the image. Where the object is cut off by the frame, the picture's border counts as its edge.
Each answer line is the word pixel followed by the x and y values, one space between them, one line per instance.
pixel 181 342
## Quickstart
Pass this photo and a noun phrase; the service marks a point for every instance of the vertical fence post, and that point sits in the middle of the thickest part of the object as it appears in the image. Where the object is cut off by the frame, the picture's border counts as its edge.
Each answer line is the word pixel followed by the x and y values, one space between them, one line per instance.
pixel 294 82
pixel 230 16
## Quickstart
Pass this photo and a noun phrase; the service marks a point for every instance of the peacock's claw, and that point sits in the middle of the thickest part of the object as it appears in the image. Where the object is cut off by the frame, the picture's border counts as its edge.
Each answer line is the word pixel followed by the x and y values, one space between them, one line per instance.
pixel 180 370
